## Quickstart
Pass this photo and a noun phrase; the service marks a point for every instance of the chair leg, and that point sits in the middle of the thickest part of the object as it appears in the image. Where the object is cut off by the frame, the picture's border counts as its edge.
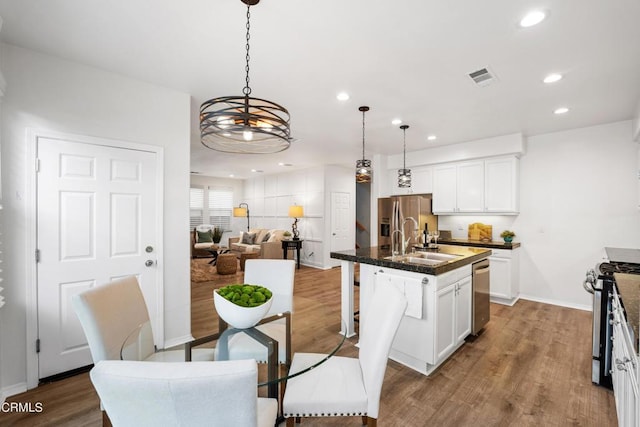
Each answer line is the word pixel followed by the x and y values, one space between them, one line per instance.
pixel 298 419
pixel 370 422
pixel 290 422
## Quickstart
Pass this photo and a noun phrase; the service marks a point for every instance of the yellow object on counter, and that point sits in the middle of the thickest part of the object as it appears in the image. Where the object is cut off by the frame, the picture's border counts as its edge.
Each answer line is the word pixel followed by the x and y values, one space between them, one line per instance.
pixel 481 232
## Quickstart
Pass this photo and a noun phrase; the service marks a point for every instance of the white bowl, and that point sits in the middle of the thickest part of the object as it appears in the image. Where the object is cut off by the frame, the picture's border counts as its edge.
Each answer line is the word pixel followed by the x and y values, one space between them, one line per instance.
pixel 237 316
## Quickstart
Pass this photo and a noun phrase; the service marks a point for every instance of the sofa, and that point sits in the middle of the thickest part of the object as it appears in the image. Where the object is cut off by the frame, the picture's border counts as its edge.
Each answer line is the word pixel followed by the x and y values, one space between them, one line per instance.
pixel 265 242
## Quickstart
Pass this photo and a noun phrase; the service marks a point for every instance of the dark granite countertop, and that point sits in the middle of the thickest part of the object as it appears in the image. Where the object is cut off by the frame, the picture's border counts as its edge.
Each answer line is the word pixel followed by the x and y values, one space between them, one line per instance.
pixel 377 256
pixel 629 290
pixel 493 244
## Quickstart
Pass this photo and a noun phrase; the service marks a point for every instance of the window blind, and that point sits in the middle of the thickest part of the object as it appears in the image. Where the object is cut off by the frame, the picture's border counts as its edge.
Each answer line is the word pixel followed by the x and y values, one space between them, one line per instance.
pixel 208 205
pixel 196 207
pixel 220 208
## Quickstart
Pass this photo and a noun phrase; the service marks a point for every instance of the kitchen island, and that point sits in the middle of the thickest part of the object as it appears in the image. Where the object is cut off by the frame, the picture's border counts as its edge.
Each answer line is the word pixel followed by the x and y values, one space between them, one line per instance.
pixel 438 288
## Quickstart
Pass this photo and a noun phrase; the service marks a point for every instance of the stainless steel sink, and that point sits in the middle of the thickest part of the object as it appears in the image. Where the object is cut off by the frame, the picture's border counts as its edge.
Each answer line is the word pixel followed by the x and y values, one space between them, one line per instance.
pixel 422 260
pixel 435 256
pixel 425 258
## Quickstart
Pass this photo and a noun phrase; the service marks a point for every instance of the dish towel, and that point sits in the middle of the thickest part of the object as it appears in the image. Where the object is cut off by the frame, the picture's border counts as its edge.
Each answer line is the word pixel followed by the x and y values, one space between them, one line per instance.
pixel 411 288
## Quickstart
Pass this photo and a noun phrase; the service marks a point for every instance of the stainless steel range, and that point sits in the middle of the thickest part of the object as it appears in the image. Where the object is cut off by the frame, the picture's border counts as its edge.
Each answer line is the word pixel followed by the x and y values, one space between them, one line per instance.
pixel 600 283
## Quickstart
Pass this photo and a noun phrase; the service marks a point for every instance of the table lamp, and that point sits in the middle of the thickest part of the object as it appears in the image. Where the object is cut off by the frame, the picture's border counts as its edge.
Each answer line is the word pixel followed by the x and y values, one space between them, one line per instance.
pixel 296 212
pixel 242 211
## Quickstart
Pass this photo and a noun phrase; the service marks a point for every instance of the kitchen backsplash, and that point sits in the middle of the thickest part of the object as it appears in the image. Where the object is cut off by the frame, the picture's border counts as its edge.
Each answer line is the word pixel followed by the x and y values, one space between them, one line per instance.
pixel 459 224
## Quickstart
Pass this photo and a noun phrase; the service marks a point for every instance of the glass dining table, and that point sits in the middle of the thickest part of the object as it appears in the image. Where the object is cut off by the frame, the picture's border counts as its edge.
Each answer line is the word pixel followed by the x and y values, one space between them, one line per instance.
pixel 139 345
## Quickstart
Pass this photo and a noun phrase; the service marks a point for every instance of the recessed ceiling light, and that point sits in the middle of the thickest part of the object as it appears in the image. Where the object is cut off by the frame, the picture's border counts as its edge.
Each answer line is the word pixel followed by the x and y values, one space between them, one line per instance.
pixel 284 164
pixel 231 175
pixel 532 18
pixel 257 170
pixel 432 137
pixel 552 78
pixel 396 121
pixel 342 96
pixel 561 110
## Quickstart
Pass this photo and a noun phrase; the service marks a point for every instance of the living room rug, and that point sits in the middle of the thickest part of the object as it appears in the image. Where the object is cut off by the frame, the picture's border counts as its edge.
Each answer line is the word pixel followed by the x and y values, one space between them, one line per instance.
pixel 201 270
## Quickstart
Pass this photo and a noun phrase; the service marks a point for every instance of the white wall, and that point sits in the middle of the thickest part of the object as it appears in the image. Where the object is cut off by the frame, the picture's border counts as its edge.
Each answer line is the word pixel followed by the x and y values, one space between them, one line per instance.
pixel 270 196
pixel 45 93
pixel 578 194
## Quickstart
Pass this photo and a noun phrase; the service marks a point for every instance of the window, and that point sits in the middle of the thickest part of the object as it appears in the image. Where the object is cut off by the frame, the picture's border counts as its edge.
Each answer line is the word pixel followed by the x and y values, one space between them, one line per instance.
pixel 220 208
pixel 196 207
pixel 208 205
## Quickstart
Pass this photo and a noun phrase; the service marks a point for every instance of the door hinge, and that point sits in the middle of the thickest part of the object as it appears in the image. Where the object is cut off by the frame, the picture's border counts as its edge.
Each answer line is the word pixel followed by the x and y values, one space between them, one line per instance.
pixel 37 255
pixel 38 345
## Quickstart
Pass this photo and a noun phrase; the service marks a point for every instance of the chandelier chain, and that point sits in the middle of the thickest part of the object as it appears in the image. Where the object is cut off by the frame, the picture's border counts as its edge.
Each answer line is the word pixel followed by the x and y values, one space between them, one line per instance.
pixel 247 89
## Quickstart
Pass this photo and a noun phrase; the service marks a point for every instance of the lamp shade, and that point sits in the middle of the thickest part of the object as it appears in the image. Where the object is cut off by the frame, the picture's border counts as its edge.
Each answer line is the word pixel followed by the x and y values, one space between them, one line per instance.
pixel 240 212
pixel 296 211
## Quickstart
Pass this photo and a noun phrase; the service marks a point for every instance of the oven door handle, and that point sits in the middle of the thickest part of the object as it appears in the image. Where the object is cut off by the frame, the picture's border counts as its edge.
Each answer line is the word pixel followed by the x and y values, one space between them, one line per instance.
pixel 588 286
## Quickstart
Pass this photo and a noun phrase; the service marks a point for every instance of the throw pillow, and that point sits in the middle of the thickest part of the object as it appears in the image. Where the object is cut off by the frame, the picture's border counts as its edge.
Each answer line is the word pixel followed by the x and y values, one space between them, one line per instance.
pixel 248 238
pixel 266 237
pixel 205 237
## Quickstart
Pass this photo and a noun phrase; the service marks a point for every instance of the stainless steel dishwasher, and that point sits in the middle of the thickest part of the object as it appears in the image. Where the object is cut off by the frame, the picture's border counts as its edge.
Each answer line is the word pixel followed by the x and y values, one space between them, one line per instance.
pixel 480 286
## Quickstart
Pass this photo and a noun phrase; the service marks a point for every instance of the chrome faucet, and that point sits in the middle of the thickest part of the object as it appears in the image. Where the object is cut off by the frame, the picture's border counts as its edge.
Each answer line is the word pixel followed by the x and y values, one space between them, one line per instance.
pixel 415 231
pixel 404 243
pixel 401 241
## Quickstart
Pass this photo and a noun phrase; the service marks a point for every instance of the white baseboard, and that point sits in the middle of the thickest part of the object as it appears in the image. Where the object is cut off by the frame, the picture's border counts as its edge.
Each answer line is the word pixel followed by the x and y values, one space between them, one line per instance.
pixel 557 302
pixel 504 301
pixel 12 390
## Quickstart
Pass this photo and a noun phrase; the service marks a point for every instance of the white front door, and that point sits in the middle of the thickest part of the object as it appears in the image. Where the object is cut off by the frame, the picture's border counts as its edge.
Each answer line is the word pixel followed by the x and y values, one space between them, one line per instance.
pixel 96 222
pixel 342 223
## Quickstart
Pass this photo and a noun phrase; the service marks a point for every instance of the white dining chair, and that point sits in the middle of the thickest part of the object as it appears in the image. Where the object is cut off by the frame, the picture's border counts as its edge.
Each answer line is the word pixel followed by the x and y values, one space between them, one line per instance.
pixel 217 394
pixel 110 313
pixel 345 386
pixel 278 276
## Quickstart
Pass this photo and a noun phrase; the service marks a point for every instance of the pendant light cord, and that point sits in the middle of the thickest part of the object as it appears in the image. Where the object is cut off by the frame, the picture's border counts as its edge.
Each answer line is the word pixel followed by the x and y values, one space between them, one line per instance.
pixel 404 148
pixel 247 89
pixel 363 111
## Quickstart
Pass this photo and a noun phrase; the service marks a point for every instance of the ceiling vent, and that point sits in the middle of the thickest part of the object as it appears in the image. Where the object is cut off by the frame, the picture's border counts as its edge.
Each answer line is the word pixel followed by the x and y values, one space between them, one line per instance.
pixel 483 76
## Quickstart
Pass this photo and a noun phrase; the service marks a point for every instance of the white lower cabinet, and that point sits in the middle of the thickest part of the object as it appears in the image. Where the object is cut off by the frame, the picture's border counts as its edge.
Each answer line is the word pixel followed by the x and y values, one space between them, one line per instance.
pixel 504 285
pixel 453 307
pixel 445 321
pixel 624 369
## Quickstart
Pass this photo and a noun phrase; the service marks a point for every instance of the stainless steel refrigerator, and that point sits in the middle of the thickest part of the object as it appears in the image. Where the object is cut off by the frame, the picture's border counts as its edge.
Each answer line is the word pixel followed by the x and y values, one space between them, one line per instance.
pixel 392 212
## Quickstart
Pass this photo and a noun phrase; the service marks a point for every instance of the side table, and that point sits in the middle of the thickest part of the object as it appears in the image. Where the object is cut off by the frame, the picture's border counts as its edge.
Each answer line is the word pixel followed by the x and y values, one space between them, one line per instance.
pixel 292 244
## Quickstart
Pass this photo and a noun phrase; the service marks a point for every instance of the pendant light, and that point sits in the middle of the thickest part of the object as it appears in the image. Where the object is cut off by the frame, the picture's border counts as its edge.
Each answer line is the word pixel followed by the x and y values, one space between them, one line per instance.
pixel 242 124
pixel 404 174
pixel 364 173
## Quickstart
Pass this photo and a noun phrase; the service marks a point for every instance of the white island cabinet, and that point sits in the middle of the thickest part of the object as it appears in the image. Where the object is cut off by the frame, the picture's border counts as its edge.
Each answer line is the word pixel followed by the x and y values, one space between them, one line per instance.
pixel 438 317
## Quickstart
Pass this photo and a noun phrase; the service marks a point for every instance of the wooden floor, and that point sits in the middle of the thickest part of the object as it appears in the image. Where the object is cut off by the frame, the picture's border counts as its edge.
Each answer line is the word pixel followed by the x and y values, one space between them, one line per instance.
pixel 530 367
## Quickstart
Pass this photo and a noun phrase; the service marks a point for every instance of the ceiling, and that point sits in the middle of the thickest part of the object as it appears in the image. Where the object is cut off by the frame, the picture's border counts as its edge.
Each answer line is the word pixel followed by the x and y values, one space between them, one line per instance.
pixel 405 59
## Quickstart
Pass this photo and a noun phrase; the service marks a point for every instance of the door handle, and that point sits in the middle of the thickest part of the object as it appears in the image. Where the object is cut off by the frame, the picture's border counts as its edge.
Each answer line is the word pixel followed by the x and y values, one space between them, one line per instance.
pixel 149 263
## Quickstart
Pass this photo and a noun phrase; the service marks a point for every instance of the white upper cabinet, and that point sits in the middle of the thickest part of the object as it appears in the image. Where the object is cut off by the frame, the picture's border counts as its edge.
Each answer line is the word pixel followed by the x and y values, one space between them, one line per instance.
pixel 501 185
pixel 470 187
pixel 445 199
pixel 421 182
pixel 458 187
pixel 482 186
